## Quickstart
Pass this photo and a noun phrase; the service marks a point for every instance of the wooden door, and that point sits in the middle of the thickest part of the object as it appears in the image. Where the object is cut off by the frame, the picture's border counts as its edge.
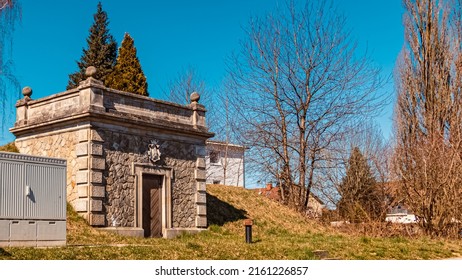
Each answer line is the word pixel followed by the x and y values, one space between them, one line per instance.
pixel 152 205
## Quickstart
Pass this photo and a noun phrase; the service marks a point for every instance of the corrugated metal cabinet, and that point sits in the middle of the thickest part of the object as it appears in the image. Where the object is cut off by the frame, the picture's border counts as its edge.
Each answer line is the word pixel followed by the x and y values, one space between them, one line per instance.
pixel 32 200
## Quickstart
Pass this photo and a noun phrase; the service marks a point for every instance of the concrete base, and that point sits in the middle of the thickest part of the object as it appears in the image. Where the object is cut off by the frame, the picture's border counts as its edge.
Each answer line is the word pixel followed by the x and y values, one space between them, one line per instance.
pixel 33 243
pixel 126 231
pixel 174 232
pixel 55 243
pixel 139 232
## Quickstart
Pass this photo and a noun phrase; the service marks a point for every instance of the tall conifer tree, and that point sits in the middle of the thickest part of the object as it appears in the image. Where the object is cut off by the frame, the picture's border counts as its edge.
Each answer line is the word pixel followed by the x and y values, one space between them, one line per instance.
pixel 100 53
pixel 360 200
pixel 128 75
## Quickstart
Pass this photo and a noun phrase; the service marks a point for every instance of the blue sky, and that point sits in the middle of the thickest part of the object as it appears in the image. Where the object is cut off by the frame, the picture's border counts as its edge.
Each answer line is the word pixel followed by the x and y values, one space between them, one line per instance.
pixel 173 35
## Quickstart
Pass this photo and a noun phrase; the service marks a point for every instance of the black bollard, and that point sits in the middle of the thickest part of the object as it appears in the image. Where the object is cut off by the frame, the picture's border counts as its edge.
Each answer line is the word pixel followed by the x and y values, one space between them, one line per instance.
pixel 248 230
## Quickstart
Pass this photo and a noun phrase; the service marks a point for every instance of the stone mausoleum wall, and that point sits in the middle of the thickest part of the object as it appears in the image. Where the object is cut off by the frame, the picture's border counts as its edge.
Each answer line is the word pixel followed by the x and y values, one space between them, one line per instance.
pixel 55 145
pixel 105 135
pixel 121 196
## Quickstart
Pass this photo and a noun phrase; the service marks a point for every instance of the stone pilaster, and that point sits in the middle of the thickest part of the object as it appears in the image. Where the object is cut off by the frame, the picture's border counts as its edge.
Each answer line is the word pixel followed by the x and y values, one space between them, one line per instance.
pixel 200 197
pixel 81 204
pixel 97 191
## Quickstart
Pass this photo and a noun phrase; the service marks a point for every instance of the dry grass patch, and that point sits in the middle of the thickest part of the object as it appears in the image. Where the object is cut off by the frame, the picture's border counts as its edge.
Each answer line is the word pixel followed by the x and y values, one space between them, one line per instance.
pixel 10 147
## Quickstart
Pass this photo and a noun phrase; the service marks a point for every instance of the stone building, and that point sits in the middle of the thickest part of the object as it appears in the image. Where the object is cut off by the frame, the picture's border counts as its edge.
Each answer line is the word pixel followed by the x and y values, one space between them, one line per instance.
pixel 225 164
pixel 135 165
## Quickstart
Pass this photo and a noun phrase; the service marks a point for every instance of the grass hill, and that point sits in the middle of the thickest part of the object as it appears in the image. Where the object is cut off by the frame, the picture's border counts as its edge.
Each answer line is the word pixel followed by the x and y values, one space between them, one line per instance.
pixel 278 233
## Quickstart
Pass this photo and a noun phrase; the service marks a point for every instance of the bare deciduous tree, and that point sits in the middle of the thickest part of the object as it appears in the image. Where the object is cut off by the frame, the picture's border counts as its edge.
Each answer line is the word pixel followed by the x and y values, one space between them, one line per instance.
pixel 188 81
pixel 298 82
pixel 429 115
pixel 10 12
pixel 4 4
pixel 375 149
pixel 218 111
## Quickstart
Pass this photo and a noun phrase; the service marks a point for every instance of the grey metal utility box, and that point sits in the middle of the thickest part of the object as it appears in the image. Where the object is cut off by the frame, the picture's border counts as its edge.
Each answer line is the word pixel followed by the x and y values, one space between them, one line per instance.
pixel 32 200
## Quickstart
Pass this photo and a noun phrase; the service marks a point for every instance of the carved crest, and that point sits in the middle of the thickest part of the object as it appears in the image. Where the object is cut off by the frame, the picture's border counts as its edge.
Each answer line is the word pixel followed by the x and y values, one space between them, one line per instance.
pixel 154 151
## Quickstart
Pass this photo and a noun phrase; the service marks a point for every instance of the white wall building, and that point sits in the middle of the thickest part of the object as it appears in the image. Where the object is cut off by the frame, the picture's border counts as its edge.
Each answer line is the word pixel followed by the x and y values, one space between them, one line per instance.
pixel 400 214
pixel 225 164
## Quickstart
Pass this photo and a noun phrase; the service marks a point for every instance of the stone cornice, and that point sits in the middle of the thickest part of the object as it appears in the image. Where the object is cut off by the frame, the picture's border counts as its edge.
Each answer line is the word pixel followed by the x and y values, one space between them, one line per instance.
pixel 52 97
pixel 200 107
pixel 139 166
pixel 224 144
pixel 118 119
pixel 28 158
pixel 92 101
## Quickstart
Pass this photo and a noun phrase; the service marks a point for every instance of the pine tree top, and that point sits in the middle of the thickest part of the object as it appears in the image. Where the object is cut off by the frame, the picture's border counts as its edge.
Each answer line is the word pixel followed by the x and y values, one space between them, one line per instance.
pixel 128 74
pixel 101 50
pixel 358 174
pixel 360 198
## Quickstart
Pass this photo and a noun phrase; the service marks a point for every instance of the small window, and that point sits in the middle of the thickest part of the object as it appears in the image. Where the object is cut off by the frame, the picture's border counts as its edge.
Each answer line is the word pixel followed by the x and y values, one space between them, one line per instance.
pixel 214 157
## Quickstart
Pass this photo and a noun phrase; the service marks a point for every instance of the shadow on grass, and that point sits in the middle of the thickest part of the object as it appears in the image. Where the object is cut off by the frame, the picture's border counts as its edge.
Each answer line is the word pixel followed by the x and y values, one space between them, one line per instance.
pixel 4 253
pixel 257 240
pixel 220 212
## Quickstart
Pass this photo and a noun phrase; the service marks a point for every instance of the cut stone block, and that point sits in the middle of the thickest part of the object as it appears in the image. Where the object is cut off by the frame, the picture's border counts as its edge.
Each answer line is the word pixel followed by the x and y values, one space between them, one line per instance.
pixel 201 210
pixel 201 186
pixel 96 149
pixel 96 177
pixel 96 205
pixel 81 205
pixel 81 149
pixel 201 222
pixel 82 177
pixel 200 163
pixel 98 163
pixel 96 136
pixel 199 174
pixel 201 197
pixel 82 163
pixel 82 191
pixel 82 135
pixel 98 191
pixel 97 219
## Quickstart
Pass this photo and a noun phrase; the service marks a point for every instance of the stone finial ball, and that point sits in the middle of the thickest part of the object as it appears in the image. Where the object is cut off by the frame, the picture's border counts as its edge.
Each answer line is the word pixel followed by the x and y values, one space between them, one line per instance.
pixel 90 71
pixel 195 97
pixel 27 91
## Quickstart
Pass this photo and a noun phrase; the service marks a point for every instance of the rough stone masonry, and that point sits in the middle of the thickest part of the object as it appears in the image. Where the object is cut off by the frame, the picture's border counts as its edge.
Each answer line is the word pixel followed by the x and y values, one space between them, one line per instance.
pixel 113 141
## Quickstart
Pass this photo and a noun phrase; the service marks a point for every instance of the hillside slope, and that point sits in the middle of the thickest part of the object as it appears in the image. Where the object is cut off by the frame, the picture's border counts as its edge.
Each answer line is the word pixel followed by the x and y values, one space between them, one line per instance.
pixel 278 233
pixel 232 205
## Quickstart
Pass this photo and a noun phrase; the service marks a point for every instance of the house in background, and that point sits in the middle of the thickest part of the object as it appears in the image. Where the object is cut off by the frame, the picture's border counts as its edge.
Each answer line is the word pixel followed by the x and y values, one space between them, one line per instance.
pixel 224 164
pixel 400 214
pixel 398 211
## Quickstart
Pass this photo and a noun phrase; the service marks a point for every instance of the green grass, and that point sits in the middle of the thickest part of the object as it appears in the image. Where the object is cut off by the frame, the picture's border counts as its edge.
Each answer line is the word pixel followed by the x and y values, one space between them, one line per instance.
pixel 278 233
